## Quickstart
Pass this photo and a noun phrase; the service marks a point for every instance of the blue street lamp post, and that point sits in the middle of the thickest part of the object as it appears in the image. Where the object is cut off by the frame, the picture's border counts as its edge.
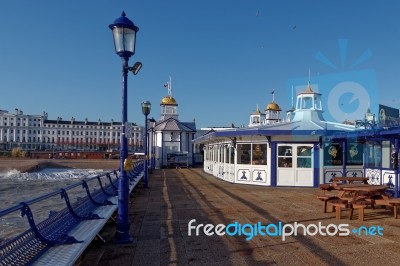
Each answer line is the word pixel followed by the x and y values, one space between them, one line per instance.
pixel 146 107
pixel 124 33
pixel 151 147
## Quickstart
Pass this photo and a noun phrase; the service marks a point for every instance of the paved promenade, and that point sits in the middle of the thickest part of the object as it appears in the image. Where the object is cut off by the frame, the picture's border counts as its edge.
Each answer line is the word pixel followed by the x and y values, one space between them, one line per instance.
pixel 160 215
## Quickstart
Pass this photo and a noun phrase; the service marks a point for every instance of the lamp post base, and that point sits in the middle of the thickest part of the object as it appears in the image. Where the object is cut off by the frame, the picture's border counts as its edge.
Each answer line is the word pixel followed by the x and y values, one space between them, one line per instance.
pixel 122 238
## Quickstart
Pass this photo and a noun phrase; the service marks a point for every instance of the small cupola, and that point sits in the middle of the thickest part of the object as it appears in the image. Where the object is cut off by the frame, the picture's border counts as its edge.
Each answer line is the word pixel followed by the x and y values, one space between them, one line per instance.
pixel 256 118
pixel 308 106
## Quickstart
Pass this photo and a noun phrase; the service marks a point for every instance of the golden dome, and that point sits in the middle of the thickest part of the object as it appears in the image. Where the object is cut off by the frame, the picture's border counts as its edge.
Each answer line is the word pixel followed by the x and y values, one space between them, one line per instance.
pixel 273 106
pixel 168 100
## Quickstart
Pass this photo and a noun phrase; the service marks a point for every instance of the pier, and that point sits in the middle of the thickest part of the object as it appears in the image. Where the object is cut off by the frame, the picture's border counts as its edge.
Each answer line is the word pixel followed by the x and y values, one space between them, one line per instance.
pixel 160 215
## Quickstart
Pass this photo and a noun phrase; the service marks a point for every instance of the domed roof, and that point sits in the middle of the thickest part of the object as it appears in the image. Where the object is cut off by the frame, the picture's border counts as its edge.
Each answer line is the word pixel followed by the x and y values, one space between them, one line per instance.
pixel 273 106
pixel 168 100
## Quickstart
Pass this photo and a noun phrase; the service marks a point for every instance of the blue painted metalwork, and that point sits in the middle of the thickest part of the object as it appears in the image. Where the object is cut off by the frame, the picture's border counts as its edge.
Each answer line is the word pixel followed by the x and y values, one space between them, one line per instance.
pixel 89 216
pixel 396 168
pixel 109 178
pixel 50 237
pixel 124 33
pixel 146 153
pixel 28 246
pixel 344 157
pixel 316 165
pixel 273 164
pixel 104 190
pixel 89 195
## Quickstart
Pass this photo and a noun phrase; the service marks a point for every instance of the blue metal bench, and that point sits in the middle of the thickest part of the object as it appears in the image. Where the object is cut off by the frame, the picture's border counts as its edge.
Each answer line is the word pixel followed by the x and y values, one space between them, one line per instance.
pixel 61 238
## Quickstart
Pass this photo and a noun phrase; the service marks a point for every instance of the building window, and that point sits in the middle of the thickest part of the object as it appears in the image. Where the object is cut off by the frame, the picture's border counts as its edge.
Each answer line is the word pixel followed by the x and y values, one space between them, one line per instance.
pixel 243 153
pixel 259 154
pixel 285 156
pixel 304 157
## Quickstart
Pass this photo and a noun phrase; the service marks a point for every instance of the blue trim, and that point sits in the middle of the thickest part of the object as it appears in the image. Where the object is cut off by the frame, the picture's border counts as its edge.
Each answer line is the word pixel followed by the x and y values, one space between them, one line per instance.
pixel 316 165
pixel 396 170
pixel 274 165
pixel 344 157
pixel 192 147
pixel 265 132
pixel 162 150
pixel 180 141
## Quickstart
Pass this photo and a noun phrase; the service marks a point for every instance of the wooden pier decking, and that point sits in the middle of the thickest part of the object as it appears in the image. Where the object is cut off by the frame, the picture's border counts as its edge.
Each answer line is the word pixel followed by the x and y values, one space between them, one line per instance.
pixel 160 215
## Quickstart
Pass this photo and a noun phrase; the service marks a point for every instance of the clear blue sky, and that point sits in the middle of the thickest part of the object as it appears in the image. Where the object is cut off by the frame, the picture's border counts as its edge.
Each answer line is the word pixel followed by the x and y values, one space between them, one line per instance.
pixel 224 56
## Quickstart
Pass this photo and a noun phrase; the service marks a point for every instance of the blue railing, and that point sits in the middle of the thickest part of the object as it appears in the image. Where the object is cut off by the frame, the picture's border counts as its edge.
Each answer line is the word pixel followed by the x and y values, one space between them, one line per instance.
pixel 28 246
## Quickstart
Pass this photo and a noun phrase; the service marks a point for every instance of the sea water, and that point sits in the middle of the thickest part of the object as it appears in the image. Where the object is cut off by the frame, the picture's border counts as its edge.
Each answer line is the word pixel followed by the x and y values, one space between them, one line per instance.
pixel 17 187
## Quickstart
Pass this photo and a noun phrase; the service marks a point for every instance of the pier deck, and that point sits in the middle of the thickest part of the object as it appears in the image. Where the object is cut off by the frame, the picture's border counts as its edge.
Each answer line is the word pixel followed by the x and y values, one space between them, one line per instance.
pixel 160 215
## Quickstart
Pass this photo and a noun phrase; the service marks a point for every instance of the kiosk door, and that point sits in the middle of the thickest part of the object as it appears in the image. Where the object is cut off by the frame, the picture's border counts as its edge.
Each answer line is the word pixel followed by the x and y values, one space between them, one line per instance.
pixel 295 165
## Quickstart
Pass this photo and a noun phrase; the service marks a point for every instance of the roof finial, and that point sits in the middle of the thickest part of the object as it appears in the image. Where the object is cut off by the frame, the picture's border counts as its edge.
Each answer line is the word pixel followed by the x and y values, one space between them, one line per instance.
pixel 309 81
pixel 292 97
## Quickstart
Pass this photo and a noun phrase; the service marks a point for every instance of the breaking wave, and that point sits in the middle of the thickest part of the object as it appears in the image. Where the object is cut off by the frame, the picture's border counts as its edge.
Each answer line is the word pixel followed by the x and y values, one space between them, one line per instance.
pixel 50 174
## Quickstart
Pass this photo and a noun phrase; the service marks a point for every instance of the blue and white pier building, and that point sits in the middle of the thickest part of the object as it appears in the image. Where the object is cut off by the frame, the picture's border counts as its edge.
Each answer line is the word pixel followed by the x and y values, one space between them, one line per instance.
pixel 301 150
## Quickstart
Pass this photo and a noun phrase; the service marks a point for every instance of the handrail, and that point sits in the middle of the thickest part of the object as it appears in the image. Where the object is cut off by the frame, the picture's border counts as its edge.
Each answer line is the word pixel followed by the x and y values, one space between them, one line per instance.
pixel 46 196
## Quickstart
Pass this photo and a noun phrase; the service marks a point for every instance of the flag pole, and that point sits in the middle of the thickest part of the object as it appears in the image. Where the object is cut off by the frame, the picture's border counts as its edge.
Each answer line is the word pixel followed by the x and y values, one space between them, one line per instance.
pixel 170 86
pixel 273 95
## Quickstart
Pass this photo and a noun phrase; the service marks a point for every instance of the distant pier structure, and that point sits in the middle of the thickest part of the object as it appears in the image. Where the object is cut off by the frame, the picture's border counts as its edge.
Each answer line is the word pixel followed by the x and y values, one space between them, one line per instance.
pixel 170 140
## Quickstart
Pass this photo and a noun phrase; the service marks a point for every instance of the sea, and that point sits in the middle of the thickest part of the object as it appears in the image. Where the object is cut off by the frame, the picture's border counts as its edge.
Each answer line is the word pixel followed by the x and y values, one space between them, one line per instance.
pixel 17 187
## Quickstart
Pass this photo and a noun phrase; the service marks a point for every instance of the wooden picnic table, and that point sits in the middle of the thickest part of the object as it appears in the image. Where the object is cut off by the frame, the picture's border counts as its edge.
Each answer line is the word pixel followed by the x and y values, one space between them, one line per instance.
pixel 357 189
pixel 361 196
pixel 349 180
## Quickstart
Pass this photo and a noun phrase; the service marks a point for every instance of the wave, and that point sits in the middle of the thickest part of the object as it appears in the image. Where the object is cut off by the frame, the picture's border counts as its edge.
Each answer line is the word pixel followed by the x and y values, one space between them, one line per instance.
pixel 50 174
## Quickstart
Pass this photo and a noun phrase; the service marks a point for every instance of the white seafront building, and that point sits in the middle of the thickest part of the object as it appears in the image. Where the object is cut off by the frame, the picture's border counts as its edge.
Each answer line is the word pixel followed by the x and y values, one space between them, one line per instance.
pixel 301 150
pixel 37 132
